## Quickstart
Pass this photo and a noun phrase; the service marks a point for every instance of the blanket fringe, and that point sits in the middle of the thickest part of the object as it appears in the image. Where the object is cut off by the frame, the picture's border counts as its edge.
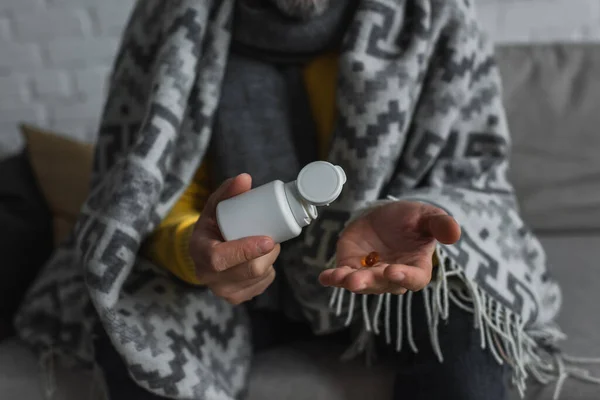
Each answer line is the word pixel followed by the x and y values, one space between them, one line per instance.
pixel 51 359
pixel 48 373
pixel 529 353
pixel 98 389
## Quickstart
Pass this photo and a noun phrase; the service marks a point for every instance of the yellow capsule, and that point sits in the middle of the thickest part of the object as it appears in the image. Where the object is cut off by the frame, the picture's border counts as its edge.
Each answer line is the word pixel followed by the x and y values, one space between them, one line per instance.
pixel 370 259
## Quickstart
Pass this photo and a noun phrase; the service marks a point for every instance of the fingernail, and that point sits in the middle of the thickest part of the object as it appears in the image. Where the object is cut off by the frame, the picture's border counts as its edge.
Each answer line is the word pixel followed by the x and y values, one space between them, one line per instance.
pixel 266 245
pixel 362 286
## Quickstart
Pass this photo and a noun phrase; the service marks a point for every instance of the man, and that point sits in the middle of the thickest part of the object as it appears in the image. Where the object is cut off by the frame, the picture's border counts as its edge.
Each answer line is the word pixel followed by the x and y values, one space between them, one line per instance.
pixel 210 98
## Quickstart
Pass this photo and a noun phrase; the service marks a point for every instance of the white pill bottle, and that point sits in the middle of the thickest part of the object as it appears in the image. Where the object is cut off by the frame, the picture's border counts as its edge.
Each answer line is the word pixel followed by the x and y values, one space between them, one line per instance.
pixel 280 210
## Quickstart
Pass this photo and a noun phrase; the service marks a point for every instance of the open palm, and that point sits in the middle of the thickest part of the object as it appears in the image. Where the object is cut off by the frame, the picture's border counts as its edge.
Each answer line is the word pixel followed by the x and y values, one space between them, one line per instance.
pixel 404 234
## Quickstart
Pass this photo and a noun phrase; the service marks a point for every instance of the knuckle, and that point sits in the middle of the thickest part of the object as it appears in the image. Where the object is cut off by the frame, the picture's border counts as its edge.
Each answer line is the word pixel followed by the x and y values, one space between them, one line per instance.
pixel 256 269
pixel 216 262
pixel 245 253
pixel 237 256
pixel 271 276
pixel 261 287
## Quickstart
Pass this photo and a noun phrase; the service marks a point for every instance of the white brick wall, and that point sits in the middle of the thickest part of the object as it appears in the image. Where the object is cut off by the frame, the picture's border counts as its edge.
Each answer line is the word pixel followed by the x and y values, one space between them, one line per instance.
pixel 54 59
pixel 55 54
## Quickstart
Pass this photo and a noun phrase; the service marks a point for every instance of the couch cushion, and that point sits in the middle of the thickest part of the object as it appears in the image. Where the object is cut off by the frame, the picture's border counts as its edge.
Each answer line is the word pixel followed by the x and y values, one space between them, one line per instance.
pixel 552 95
pixel 21 378
pixel 573 262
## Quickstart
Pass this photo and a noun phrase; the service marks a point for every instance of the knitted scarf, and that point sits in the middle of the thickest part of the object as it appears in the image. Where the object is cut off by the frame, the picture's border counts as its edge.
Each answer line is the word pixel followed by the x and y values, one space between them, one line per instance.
pixel 420 118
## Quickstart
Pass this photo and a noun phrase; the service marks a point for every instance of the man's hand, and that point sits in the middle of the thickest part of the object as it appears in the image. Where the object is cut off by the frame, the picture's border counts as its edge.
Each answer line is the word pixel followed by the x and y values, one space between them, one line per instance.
pixel 404 234
pixel 237 270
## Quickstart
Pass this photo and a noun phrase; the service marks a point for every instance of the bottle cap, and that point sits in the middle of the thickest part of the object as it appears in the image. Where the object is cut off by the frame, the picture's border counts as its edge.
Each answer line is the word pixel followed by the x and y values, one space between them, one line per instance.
pixel 320 183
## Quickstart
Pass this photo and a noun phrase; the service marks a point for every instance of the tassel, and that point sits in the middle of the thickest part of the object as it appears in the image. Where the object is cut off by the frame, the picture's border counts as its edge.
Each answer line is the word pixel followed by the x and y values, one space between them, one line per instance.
pixel 48 374
pixel 501 331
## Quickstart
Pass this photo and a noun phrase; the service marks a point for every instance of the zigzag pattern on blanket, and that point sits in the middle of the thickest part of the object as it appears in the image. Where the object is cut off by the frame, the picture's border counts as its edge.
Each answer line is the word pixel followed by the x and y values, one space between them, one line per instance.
pixel 219 355
pixel 209 354
pixel 143 162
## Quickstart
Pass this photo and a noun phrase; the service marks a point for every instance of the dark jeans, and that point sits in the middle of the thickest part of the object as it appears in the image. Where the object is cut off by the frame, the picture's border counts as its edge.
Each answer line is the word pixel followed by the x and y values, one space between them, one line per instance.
pixel 467 373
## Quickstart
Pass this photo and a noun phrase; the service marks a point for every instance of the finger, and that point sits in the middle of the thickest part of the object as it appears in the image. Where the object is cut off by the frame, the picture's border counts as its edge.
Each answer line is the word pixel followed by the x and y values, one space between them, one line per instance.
pixel 249 292
pixel 252 269
pixel 224 288
pixel 436 223
pixel 443 228
pixel 364 280
pixel 230 188
pixel 371 281
pixel 411 278
pixel 334 276
pixel 214 256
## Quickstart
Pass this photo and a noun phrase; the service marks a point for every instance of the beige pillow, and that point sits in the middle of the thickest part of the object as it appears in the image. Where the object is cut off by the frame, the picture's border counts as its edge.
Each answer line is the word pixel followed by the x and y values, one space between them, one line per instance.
pixel 62 167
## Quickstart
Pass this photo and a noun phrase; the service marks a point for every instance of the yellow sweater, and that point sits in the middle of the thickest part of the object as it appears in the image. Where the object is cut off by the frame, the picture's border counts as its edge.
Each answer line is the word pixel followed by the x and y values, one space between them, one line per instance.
pixel 167 246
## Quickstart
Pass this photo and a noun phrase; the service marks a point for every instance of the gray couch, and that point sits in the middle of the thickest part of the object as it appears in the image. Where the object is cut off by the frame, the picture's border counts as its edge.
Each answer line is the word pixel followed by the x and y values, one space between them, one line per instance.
pixel 552 95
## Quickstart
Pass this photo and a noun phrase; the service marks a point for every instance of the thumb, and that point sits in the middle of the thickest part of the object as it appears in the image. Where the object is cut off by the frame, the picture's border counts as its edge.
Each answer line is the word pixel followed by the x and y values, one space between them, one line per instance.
pixel 230 188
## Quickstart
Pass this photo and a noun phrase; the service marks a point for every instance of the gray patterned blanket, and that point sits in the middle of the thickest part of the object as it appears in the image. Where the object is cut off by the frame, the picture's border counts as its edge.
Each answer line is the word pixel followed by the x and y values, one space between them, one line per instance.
pixel 420 118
